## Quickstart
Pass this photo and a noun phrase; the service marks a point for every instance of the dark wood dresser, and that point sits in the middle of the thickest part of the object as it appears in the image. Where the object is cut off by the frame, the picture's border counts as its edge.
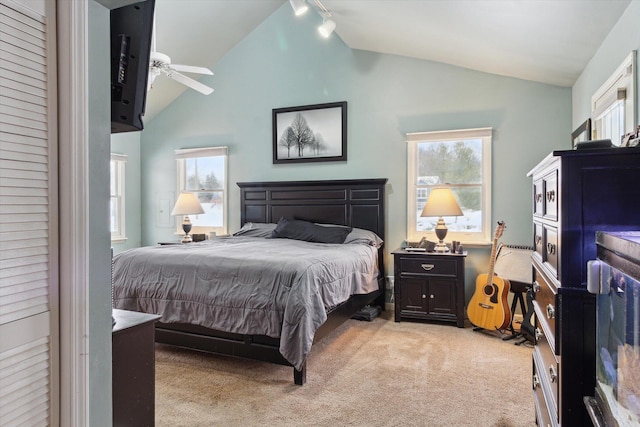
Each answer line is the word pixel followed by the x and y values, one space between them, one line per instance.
pixel 575 194
pixel 133 369
pixel 429 286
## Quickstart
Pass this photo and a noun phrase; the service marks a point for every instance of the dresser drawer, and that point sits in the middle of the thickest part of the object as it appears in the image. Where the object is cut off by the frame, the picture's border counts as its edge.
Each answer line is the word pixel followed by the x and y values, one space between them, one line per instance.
pixel 548 367
pixel 538 241
pixel 545 305
pixel 550 248
pixel 546 407
pixel 429 266
pixel 550 183
pixel 538 198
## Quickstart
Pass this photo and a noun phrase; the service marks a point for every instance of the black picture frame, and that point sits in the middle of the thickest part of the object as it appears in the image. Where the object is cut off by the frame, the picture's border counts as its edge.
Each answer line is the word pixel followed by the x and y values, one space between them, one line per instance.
pixel 582 133
pixel 320 130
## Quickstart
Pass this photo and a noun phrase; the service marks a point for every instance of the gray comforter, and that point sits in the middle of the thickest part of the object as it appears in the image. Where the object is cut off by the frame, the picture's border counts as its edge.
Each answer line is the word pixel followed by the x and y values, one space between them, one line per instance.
pixel 246 285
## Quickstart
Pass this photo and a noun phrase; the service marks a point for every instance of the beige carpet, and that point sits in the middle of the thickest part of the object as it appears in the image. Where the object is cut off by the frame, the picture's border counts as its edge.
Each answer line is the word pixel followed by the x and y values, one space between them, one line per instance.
pixel 378 373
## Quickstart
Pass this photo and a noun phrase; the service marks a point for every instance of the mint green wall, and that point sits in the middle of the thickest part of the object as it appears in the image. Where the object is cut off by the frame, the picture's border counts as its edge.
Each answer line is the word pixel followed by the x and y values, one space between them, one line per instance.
pixel 623 38
pixel 129 144
pixel 98 237
pixel 284 62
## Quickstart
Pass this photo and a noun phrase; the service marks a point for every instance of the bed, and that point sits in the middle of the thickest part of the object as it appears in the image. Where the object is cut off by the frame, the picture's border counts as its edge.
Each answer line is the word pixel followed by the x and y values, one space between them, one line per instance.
pixel 292 307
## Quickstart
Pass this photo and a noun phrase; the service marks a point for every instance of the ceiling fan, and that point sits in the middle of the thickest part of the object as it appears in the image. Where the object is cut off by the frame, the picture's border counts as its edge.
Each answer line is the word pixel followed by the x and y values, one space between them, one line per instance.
pixel 159 63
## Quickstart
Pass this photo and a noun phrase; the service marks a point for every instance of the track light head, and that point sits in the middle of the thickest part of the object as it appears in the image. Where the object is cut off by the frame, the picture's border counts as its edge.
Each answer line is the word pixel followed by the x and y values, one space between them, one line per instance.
pixel 299 6
pixel 327 27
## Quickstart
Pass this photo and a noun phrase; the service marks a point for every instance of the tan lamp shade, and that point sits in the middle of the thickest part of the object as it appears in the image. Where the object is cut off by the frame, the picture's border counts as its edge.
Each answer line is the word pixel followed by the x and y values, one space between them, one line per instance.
pixel 187 204
pixel 441 202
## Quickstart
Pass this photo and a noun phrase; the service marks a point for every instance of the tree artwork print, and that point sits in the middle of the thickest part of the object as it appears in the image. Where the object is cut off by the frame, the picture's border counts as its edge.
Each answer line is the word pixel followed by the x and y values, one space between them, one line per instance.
pixel 309 133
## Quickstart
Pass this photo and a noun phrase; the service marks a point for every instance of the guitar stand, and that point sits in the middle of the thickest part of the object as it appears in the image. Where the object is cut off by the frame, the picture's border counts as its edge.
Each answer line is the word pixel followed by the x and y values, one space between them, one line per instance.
pixel 517 289
pixel 500 332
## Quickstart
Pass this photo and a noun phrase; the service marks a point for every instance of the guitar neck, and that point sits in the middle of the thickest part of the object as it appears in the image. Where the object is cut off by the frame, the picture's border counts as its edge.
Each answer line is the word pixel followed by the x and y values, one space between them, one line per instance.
pixel 492 261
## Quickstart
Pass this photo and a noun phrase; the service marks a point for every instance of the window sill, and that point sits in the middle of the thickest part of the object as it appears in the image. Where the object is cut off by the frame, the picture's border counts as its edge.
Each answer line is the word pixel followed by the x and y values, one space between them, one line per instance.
pixel 119 239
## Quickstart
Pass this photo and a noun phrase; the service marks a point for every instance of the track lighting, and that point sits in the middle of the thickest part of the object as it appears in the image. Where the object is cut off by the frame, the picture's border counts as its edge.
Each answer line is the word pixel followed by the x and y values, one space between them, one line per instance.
pixel 327 27
pixel 299 6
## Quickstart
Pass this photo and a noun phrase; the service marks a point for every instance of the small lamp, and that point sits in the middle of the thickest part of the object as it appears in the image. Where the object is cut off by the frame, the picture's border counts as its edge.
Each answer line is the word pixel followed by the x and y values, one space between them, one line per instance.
pixel 441 202
pixel 187 204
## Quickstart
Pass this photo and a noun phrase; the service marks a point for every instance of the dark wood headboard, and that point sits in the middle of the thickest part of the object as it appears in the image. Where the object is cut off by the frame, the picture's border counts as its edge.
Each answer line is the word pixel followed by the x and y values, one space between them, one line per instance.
pixel 353 202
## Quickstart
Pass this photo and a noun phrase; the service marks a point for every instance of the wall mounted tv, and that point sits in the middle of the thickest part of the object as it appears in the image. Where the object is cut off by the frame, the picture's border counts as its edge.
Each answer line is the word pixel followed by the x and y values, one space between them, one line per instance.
pixel 131 31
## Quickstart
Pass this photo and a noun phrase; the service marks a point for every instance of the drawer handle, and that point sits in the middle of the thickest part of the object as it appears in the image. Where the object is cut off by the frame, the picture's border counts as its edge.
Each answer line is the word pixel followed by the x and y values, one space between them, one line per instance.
pixel 424 296
pixel 551 248
pixel 552 374
pixel 551 196
pixel 539 334
pixel 536 287
pixel 538 239
pixel 427 267
pixel 538 197
pixel 551 312
pixel 536 381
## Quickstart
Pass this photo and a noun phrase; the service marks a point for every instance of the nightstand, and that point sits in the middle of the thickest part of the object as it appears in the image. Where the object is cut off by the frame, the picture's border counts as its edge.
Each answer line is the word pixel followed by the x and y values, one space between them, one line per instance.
pixel 429 286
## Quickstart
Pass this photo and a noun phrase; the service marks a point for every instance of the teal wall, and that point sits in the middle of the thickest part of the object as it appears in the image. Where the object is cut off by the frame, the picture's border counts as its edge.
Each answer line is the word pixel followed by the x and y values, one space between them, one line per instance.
pixel 98 237
pixel 284 62
pixel 129 145
pixel 622 39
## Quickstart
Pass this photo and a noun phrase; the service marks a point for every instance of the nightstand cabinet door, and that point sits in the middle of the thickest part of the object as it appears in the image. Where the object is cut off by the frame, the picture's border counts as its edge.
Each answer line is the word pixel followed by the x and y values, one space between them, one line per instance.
pixel 442 296
pixel 413 298
pixel 429 286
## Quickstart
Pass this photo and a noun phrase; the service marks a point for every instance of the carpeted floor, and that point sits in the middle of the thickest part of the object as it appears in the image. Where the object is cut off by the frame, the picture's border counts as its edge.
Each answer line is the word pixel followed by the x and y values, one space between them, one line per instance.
pixel 378 373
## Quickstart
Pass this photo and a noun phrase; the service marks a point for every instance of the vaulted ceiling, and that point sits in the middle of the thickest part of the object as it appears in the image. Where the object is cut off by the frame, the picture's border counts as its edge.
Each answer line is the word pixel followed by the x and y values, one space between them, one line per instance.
pixel 548 41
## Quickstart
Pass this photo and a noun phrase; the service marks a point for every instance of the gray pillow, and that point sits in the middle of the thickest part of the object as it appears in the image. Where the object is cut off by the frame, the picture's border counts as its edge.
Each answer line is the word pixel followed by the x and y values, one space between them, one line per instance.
pixel 256 229
pixel 309 232
pixel 358 235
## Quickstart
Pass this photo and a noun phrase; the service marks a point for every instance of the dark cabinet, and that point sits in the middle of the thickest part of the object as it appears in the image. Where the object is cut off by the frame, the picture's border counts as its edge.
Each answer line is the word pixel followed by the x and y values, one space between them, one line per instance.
pixel 429 286
pixel 575 194
pixel 133 368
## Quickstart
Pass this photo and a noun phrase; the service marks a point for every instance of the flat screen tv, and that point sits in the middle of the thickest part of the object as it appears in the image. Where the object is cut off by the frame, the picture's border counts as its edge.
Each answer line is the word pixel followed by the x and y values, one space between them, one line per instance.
pixel 131 31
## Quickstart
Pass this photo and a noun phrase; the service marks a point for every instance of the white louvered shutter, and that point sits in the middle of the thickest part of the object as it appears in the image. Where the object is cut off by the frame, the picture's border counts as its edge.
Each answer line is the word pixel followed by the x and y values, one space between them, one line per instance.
pixel 28 217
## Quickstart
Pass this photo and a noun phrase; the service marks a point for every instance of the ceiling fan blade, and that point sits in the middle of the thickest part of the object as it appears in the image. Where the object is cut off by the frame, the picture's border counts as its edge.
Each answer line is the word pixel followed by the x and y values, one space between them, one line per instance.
pixel 187 81
pixel 191 69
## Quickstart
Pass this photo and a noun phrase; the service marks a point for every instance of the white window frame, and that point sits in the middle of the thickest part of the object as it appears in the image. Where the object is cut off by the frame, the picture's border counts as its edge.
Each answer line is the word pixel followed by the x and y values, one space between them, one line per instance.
pixel 619 91
pixel 189 153
pixel 120 160
pixel 471 238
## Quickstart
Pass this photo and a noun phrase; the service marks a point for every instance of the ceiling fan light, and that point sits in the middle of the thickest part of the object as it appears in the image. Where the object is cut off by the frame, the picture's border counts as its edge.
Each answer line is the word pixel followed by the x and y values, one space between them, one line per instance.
pixel 327 27
pixel 299 6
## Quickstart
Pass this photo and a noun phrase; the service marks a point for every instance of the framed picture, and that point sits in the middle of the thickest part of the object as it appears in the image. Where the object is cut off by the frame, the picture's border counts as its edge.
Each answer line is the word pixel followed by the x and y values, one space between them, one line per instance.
pixel 310 133
pixel 582 133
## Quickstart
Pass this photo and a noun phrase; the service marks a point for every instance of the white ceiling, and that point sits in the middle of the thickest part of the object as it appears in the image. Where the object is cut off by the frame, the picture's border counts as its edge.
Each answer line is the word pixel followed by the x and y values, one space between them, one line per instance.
pixel 548 41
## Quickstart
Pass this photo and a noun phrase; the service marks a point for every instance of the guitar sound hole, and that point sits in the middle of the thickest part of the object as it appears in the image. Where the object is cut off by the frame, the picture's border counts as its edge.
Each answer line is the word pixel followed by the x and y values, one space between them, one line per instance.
pixel 491 290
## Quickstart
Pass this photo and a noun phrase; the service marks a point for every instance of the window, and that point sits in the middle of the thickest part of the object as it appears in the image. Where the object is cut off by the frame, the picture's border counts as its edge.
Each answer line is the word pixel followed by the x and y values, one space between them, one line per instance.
pixel 203 171
pixel 613 104
pixel 461 160
pixel 117 213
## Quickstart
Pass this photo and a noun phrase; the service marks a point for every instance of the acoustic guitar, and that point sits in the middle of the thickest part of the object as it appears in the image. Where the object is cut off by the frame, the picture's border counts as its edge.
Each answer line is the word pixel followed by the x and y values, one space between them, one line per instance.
pixel 489 308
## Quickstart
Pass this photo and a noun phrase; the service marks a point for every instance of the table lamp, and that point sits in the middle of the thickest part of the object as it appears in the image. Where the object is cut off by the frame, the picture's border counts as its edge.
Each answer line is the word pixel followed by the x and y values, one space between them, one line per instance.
pixel 441 202
pixel 187 204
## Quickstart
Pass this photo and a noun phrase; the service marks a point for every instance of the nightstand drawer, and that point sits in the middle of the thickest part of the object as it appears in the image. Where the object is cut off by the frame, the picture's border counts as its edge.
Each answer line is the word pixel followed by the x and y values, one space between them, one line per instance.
pixel 431 266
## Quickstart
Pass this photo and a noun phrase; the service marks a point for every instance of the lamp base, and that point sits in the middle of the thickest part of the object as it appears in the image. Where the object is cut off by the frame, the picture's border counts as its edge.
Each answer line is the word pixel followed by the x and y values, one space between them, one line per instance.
pixel 186 227
pixel 441 247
